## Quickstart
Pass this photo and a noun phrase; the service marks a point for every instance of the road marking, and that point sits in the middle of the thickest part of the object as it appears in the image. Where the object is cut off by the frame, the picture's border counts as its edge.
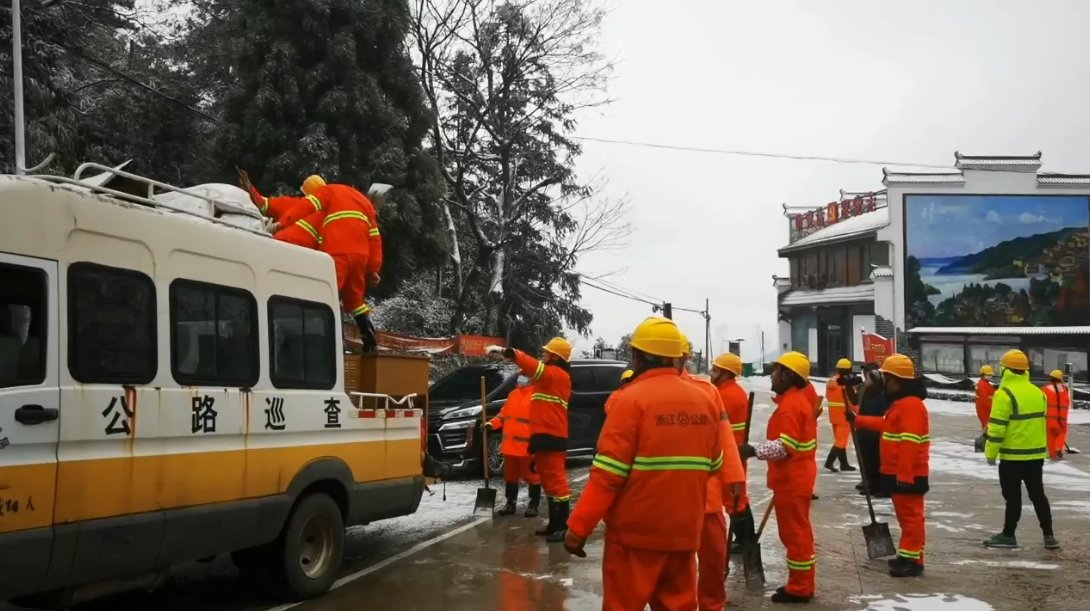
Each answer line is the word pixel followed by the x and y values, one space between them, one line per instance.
pixel 378 566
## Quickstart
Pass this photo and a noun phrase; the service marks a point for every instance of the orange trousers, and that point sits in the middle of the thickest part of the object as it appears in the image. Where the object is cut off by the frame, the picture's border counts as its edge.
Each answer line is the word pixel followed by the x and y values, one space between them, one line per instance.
pixel 553 470
pixel 352 282
pixel 841 434
pixel 909 510
pixel 797 536
pixel 1057 441
pixel 711 558
pixel 634 578
pixel 519 468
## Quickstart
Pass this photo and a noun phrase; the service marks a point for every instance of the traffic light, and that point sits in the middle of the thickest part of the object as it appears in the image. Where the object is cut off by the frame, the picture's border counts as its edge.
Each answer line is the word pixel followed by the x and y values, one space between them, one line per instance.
pixel 668 310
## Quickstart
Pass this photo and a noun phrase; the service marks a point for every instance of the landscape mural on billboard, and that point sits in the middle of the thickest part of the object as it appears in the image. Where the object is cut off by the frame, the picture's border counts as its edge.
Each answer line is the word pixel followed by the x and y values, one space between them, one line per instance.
pixel 997 260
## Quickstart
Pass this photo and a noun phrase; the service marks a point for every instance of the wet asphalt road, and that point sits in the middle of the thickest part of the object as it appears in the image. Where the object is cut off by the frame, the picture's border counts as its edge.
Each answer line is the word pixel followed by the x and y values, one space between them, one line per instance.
pixel 441 559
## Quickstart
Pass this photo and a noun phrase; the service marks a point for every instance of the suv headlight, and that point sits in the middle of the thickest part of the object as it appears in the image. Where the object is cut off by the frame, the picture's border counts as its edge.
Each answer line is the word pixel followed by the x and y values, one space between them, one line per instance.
pixel 465 412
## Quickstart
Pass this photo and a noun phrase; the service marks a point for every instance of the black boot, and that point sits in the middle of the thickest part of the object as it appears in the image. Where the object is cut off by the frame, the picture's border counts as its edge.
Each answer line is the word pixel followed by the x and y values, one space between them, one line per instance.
pixel 551 524
pixel 783 596
pixel 367 332
pixel 844 466
pixel 904 567
pixel 560 529
pixel 830 459
pixel 535 501
pixel 512 493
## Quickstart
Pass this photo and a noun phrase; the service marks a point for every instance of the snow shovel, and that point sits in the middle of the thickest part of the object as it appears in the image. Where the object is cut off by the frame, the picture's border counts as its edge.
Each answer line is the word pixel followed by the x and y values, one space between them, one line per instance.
pixel 486 497
pixel 879 540
pixel 753 567
pixel 734 510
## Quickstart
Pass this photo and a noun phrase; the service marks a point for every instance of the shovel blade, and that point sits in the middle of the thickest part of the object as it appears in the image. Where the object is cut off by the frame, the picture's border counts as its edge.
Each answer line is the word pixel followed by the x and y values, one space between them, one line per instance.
pixel 485 505
pixel 753 567
pixel 879 541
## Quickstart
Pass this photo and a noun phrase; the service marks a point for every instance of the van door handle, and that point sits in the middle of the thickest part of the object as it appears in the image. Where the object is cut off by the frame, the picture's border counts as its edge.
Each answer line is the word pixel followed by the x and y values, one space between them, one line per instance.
pixel 35 414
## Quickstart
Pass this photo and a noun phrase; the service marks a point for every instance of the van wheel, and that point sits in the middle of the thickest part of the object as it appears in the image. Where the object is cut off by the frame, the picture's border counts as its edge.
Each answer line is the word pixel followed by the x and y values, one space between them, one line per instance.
pixel 311 549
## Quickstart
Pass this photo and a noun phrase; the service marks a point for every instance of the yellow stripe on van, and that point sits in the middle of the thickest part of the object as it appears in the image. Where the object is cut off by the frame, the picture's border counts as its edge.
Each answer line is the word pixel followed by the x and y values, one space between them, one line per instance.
pixel 102 488
pixel 26 496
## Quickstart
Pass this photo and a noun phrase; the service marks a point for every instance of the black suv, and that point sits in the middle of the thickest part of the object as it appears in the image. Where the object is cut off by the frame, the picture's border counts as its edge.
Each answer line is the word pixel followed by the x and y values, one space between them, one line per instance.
pixel 454 419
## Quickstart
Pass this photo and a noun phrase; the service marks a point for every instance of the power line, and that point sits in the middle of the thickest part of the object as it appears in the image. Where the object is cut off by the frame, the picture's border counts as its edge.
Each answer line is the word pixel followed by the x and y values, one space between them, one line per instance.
pixel 617 293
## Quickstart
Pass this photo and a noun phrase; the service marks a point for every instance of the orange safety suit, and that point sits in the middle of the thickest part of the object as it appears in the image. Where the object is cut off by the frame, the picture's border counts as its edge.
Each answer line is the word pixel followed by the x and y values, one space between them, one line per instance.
pixel 344 218
pixel 659 445
pixel 736 402
pixel 711 557
pixel 1059 404
pixel 548 423
pixel 792 481
pixel 905 453
pixel 514 421
pixel 838 403
pixel 984 393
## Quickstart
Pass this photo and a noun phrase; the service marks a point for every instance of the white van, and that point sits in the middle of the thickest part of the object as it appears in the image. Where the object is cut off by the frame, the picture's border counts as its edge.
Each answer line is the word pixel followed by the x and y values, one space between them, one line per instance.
pixel 172 388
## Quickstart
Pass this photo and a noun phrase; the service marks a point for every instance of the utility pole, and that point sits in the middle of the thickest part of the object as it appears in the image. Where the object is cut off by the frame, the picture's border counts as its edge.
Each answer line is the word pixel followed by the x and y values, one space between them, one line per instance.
pixel 17 86
pixel 707 336
pixel 762 350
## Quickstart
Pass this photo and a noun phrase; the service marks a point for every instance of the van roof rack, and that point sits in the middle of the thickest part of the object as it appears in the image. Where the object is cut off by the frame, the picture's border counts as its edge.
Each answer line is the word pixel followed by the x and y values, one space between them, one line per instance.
pixel 220 205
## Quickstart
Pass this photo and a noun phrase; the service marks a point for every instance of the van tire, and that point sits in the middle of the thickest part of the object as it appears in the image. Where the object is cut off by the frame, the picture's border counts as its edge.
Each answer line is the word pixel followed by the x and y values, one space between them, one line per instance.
pixel 308 555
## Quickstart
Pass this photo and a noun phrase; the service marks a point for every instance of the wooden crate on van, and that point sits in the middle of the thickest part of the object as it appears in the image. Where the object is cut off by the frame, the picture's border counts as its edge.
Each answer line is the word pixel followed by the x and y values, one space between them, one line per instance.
pixel 396 375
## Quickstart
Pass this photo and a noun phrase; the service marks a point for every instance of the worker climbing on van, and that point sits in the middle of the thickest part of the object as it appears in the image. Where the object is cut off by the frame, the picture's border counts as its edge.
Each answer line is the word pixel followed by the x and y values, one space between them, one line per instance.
pixel 1059 404
pixel 551 379
pixel 791 453
pixel 649 479
pixel 725 372
pixel 840 392
pixel 290 208
pixel 514 421
pixel 905 455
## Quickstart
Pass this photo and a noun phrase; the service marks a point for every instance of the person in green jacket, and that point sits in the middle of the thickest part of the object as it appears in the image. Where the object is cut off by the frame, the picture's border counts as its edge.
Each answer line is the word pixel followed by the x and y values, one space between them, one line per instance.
pixel 1018 438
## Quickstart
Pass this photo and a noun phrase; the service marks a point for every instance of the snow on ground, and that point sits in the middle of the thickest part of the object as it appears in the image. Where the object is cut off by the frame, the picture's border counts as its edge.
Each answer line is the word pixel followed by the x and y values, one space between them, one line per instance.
pixel 1010 564
pixel 959 459
pixel 922 602
pixel 434 513
pixel 958 408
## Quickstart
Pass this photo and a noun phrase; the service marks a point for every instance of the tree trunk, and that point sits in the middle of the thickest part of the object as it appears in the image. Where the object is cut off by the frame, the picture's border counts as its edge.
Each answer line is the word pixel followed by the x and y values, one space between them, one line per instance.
pixel 494 299
pixel 455 251
pixel 457 320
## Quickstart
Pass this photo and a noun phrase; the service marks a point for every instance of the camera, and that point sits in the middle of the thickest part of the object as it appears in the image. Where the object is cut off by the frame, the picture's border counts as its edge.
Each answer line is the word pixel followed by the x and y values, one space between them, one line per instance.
pixel 849 380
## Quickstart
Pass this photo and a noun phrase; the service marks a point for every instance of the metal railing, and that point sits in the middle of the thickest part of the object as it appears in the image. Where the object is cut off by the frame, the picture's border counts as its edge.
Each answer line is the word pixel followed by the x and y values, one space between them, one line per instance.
pixel 358 397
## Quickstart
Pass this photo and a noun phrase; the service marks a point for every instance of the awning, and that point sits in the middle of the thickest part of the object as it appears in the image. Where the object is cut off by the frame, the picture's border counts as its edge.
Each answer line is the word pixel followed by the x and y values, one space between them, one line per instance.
pixel 862 293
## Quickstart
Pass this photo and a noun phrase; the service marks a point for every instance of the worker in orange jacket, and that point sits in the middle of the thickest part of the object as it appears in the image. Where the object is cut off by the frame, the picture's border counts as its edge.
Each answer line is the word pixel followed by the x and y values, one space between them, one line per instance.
pixel 286 210
pixel 346 228
pixel 1059 404
pixel 711 557
pixel 791 452
pixel 725 372
pixel 817 402
pixel 984 393
pixel 660 444
pixel 906 457
pixel 551 378
pixel 840 393
pixel 514 421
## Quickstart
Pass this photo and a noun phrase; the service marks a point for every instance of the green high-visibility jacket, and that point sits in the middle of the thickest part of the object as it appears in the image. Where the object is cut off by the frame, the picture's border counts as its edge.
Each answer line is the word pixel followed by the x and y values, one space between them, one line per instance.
pixel 1016 428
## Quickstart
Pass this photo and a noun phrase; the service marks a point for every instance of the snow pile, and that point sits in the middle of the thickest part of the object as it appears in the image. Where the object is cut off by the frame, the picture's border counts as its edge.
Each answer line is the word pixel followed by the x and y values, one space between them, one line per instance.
pixel 232 205
pixel 922 602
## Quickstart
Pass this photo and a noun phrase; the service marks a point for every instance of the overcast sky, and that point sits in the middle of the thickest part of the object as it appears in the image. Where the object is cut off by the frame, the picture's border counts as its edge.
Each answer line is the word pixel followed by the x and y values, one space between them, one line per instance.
pixel 901 81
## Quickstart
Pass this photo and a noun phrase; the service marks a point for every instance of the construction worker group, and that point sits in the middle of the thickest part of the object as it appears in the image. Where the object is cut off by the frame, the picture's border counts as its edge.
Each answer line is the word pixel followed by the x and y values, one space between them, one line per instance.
pixel 671 462
pixel 340 221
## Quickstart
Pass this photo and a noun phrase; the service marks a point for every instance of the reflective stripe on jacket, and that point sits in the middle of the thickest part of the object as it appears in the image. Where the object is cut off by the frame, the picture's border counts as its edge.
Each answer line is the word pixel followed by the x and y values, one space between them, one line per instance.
pixel 837 398
pixel 795 425
pixel 1016 427
pixel 548 403
pixel 732 471
pixel 657 448
pixel 514 421
pixel 341 222
pixel 905 449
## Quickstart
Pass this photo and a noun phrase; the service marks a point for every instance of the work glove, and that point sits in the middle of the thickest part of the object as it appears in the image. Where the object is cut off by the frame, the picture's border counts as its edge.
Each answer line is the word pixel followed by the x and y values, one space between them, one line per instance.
pixel 488 426
pixel 991 462
pixel 574 544
pixel 747 451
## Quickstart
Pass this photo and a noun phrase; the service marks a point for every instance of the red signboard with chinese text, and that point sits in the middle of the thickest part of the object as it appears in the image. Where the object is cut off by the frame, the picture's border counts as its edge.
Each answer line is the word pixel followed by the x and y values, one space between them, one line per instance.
pixel 876 348
pixel 805 223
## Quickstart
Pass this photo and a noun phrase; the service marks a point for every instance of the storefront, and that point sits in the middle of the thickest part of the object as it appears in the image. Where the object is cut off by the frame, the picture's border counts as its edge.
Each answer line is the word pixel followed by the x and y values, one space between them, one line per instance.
pixel 991 256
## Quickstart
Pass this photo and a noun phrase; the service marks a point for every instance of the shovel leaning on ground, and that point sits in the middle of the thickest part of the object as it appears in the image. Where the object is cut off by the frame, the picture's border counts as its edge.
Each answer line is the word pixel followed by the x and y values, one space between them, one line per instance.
pixel 753 566
pixel 485 503
pixel 734 510
pixel 877 535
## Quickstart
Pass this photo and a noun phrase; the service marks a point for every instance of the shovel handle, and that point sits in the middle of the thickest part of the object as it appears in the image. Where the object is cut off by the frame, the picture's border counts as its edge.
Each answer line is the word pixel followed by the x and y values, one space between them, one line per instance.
pixel 749 416
pixel 764 520
pixel 863 474
pixel 484 430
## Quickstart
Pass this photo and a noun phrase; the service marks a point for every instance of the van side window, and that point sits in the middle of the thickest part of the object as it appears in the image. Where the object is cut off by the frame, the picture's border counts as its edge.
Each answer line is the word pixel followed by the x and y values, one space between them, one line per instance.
pixel 111 325
pixel 213 335
pixel 23 302
pixel 302 344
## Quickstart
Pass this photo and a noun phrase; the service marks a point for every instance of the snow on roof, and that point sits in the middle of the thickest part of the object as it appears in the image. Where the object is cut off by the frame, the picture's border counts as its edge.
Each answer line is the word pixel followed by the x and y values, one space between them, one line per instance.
pixel 840 294
pixel 921 178
pixel 1063 179
pixel 1011 163
pixel 856 226
pixel 882 271
pixel 1002 330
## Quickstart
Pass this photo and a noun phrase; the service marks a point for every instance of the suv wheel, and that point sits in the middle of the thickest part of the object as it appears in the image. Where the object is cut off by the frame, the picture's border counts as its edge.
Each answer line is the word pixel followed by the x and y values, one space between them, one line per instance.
pixel 495 457
pixel 311 548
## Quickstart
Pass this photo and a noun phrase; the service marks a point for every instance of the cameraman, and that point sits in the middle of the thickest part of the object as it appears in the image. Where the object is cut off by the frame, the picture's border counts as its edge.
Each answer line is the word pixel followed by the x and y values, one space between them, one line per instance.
pixel 840 392
pixel 872 402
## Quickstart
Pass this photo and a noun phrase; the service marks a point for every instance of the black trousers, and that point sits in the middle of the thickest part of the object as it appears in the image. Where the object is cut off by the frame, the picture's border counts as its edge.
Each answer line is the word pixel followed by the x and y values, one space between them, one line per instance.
pixel 1012 475
pixel 868 455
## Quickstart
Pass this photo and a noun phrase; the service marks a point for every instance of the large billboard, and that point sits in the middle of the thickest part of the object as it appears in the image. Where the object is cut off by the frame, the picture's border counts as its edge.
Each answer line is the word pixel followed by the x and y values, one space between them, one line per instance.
pixel 997 260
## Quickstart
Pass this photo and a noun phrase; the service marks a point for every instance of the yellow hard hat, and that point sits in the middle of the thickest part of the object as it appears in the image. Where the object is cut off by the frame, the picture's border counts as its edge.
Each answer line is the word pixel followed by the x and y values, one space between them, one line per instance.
pixel 797 362
pixel 843 364
pixel 686 346
pixel 1015 359
pixel 560 347
pixel 729 362
pixel 626 374
pixel 1057 375
pixel 987 371
pixel 658 336
pixel 312 184
pixel 899 366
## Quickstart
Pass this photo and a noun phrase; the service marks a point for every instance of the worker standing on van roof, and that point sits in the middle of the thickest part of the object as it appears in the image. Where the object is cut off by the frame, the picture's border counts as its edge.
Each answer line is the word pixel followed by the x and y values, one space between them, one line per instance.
pixel 514 421
pixel 725 372
pixel 287 210
pixel 648 481
pixel 551 377
pixel 711 556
